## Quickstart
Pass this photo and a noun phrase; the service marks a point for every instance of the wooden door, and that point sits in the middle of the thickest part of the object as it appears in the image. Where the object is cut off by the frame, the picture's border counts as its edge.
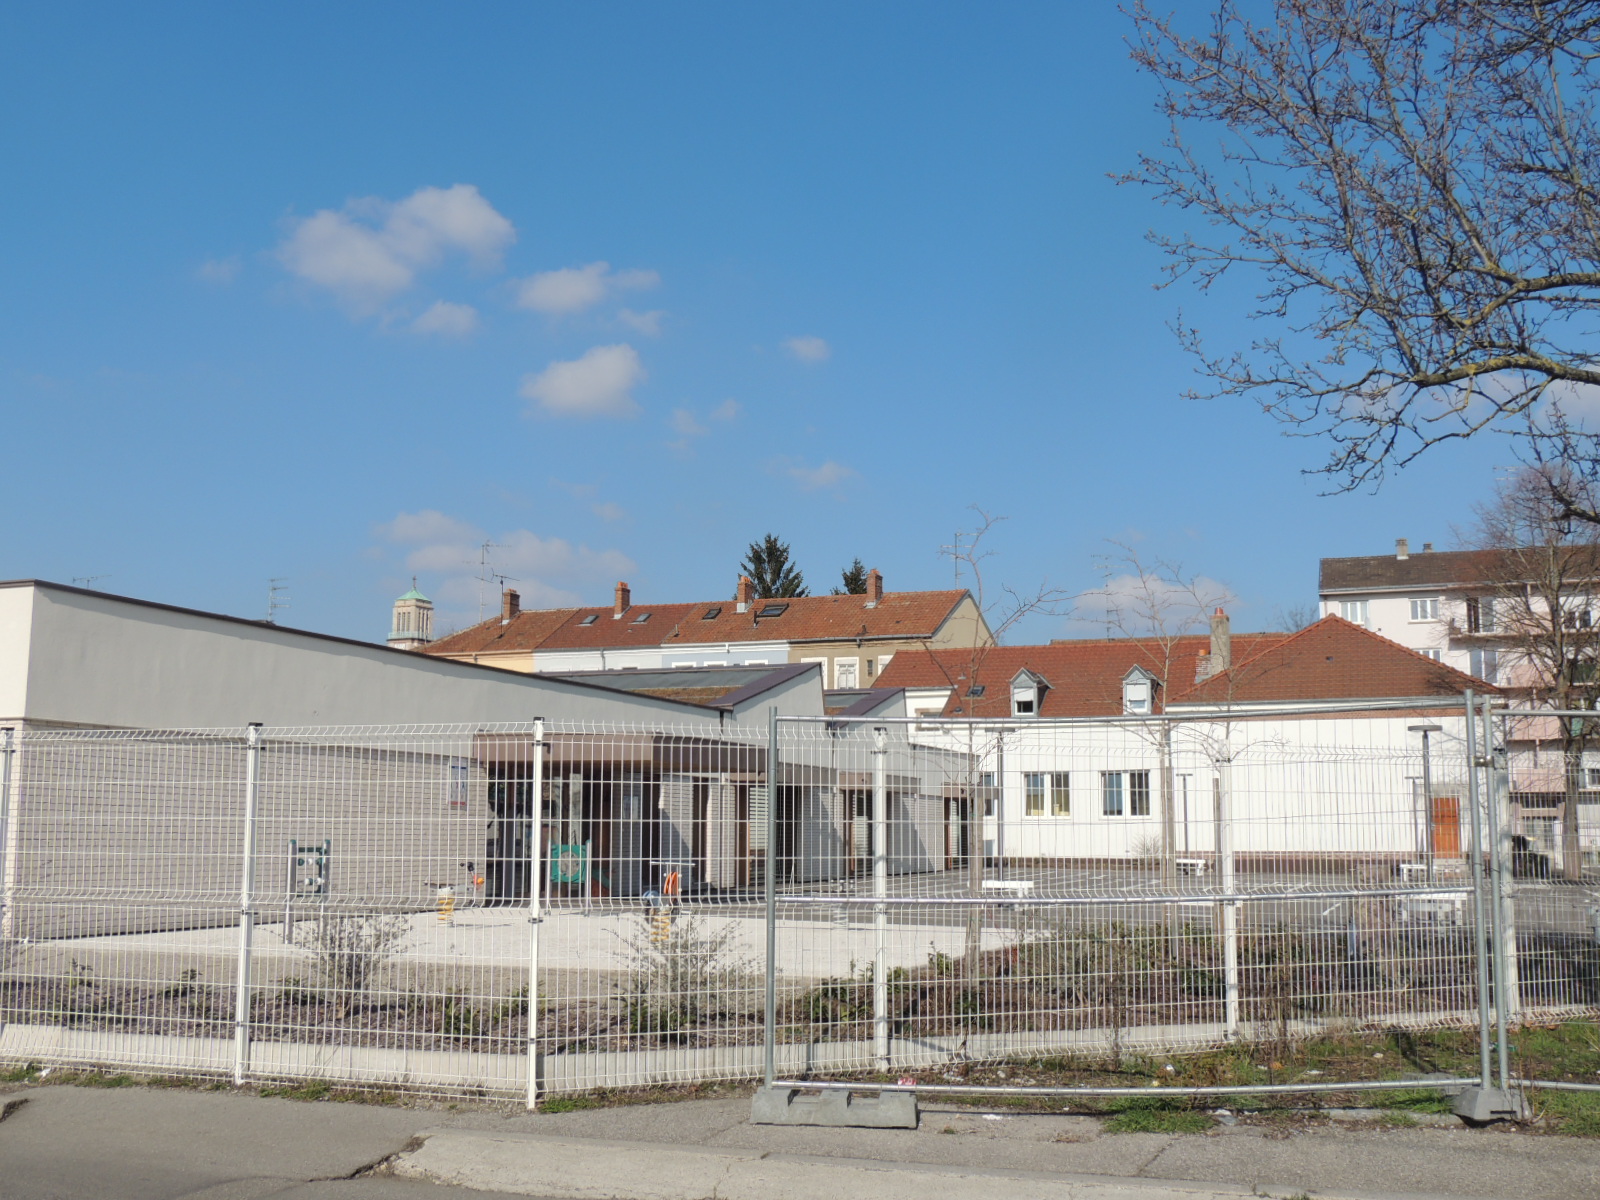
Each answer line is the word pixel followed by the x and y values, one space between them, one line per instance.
pixel 1447 827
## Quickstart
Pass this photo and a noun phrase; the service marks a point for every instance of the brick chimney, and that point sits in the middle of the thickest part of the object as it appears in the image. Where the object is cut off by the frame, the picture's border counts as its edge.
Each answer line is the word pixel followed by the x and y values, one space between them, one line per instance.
pixel 1402 548
pixel 510 605
pixel 741 595
pixel 1221 642
pixel 874 588
pixel 624 601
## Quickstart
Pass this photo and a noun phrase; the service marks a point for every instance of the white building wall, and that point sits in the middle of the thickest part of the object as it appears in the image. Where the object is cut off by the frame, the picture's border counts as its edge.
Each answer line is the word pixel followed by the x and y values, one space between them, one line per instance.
pixel 16 630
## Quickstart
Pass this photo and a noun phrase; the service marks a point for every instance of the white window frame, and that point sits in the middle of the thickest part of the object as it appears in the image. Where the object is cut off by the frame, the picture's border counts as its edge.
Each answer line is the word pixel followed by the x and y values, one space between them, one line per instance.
pixel 1436 655
pixel 1354 611
pixel 1424 608
pixel 1125 793
pixel 855 672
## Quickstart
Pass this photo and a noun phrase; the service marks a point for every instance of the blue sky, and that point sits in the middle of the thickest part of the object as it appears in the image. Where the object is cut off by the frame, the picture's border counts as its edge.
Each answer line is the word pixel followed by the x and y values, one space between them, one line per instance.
pixel 335 293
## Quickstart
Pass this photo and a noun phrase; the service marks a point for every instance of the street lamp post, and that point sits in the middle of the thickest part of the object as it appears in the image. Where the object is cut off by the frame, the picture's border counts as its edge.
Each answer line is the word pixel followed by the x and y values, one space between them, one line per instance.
pixel 1427 787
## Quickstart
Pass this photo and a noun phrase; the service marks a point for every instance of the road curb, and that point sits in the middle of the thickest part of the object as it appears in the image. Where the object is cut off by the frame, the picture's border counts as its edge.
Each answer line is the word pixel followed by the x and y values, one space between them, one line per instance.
pixel 594 1169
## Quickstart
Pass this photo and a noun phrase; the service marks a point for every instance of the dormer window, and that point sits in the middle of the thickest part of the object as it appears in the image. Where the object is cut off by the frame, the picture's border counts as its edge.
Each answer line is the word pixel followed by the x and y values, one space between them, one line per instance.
pixel 1138 693
pixel 1027 693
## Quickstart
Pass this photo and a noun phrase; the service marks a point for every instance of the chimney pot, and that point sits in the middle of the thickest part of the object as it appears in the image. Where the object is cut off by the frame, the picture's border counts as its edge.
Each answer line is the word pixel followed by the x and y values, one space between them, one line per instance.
pixel 510 604
pixel 624 600
pixel 1402 548
pixel 874 587
pixel 1427 547
pixel 1221 644
pixel 742 594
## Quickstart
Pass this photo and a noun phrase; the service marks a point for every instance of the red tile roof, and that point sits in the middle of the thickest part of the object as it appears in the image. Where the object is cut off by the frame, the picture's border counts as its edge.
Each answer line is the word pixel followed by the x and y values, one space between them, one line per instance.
pixel 1329 660
pixel 821 618
pixel 898 615
pixel 525 631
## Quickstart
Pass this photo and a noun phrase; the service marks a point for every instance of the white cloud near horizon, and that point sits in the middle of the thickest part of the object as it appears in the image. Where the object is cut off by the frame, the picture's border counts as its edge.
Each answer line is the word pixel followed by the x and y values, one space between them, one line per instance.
pixel 573 289
pixel 827 475
pixel 808 349
pixel 544 570
pixel 598 384
pixel 372 249
pixel 447 320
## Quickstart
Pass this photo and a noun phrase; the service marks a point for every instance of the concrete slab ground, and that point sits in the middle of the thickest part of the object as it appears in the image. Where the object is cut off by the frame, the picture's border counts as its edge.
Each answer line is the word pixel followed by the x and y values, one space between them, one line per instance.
pixel 64 1143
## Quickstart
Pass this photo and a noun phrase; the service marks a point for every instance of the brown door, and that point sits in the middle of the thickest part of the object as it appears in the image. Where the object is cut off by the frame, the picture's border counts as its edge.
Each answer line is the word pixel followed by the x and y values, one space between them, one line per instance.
pixel 1447 826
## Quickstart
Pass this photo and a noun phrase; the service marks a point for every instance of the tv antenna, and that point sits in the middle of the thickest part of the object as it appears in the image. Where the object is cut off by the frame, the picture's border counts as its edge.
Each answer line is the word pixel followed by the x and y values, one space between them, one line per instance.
pixel 485 575
pixel 276 598
pixel 87 581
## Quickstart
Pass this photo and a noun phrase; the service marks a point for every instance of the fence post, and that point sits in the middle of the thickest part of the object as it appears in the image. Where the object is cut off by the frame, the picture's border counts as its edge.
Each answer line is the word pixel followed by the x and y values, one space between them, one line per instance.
pixel 880 889
pixel 769 1023
pixel 7 752
pixel 247 916
pixel 1479 909
pixel 1230 908
pixel 1504 920
pixel 535 850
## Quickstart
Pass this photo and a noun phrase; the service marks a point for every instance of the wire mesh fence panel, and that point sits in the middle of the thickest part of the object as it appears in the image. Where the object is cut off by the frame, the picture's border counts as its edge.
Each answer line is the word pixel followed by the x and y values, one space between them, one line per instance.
pixel 1546 811
pixel 523 908
pixel 119 899
pixel 957 892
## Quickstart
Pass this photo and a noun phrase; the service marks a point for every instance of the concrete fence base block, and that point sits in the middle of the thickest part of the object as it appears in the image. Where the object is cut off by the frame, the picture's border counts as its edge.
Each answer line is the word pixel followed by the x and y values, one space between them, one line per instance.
pixel 1480 1105
pixel 834 1106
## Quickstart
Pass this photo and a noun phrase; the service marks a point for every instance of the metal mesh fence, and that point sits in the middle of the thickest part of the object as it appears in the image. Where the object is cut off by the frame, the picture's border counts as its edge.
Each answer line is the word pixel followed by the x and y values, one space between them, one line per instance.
pixel 517 909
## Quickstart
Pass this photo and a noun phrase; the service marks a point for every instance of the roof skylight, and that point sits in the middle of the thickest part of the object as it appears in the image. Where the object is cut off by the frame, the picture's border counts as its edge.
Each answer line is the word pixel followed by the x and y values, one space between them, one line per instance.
pixel 590 619
pixel 711 614
pixel 773 610
pixel 641 618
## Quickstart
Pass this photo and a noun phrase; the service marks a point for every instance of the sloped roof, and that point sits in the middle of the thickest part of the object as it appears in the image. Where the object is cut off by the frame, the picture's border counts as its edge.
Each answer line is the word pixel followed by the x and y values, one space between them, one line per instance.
pixel 1083 678
pixel 1461 568
pixel 1329 660
pixel 525 631
pixel 820 618
pixel 608 630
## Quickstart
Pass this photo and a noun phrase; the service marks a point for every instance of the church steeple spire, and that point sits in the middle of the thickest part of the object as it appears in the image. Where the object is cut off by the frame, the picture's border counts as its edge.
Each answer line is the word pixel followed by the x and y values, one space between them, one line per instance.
pixel 412 625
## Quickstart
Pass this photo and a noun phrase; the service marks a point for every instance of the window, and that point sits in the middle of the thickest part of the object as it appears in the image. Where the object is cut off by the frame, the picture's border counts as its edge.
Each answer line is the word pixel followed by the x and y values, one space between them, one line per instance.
pixel 1022 705
pixel 1060 795
pixel 986 789
pixel 590 619
pixel 1111 793
pixel 1591 777
pixel 1480 614
pixel 869 668
pixel 976 691
pixel 641 618
pixel 1425 609
pixel 1125 793
pixel 1577 618
pixel 773 610
pixel 883 661
pixel 1483 664
pixel 844 672
pixel 1136 695
pixel 1033 789
pixel 711 614
pixel 1436 655
pixel 1354 611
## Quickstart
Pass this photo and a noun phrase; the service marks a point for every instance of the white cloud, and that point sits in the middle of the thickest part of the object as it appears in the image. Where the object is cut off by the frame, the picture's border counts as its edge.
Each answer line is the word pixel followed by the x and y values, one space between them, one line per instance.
pixel 609 511
pixel 726 411
pixel 829 474
pixel 574 289
pixel 600 384
pixel 808 349
pixel 647 323
pixel 545 570
pixel 683 422
pixel 447 319
pixel 219 270
pixel 372 249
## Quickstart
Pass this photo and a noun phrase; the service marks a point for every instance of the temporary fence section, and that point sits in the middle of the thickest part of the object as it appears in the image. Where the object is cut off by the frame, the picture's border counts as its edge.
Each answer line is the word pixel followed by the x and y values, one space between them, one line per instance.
pixel 519 909
pixel 1001 889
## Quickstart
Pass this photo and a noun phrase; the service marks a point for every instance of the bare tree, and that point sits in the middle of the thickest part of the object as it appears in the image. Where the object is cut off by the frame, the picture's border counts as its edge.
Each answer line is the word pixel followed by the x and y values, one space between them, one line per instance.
pixel 1543 571
pixel 1415 185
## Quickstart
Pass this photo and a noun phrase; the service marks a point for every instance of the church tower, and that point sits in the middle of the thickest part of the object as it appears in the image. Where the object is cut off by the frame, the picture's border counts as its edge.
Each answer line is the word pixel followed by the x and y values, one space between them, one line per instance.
pixel 412 627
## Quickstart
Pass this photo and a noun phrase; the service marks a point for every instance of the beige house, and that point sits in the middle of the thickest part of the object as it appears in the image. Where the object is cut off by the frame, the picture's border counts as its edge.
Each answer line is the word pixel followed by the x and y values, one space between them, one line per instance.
pixel 852 637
